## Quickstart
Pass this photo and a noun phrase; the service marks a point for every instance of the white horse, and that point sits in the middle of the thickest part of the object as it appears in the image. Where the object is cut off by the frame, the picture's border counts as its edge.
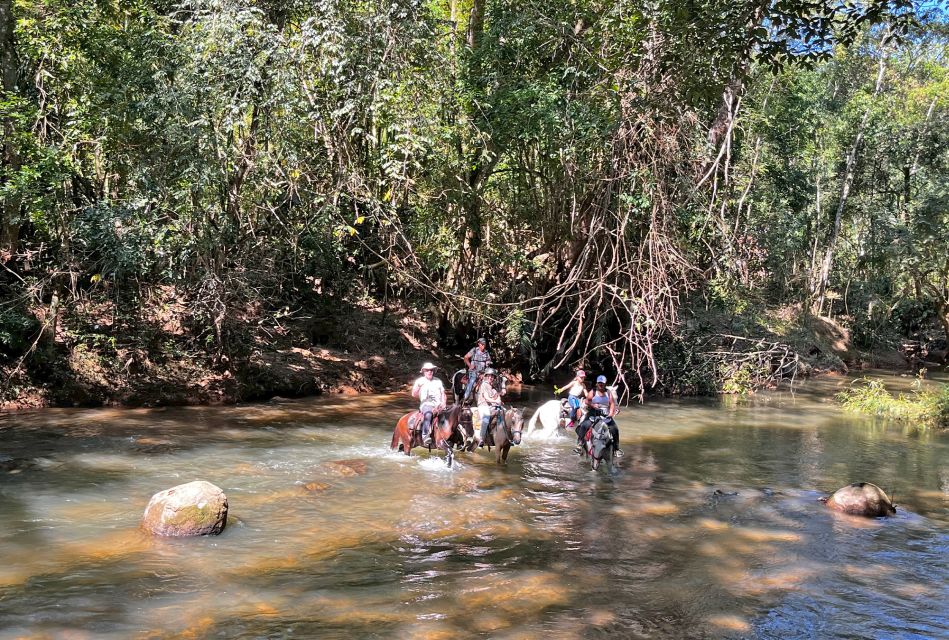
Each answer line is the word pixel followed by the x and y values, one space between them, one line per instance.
pixel 552 415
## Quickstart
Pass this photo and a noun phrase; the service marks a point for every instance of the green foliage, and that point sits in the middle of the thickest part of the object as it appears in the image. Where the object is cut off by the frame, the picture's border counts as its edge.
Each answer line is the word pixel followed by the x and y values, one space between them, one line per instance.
pixel 739 379
pixel 924 407
pixel 256 154
pixel 16 330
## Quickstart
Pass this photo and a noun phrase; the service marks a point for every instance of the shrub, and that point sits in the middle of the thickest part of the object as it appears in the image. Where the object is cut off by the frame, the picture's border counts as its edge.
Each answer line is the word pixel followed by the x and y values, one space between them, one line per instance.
pixel 928 407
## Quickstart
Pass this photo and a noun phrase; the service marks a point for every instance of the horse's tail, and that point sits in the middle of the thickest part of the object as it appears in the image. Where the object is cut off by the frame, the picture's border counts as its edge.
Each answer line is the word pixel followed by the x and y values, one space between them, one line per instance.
pixel 395 439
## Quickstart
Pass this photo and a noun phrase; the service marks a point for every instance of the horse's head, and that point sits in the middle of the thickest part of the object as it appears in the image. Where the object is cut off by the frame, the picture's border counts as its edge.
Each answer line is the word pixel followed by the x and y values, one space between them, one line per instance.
pixel 449 416
pixel 600 440
pixel 500 383
pixel 458 382
pixel 514 419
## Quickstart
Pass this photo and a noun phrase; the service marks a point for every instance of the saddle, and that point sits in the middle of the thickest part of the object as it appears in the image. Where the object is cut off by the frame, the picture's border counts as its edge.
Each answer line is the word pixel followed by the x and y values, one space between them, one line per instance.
pixel 415 421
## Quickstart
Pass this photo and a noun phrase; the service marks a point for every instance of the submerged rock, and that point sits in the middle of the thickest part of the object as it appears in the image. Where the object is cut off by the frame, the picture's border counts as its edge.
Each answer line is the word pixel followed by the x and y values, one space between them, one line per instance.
pixel 194 509
pixel 350 467
pixel 861 499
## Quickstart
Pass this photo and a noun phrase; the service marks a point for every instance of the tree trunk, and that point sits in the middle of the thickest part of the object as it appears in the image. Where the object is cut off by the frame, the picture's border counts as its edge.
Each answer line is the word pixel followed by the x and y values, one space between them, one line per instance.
pixel 823 278
pixel 10 160
pixel 475 24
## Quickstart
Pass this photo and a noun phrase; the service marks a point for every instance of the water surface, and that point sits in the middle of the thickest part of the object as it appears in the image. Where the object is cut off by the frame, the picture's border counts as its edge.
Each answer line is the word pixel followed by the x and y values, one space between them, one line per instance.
pixel 709 527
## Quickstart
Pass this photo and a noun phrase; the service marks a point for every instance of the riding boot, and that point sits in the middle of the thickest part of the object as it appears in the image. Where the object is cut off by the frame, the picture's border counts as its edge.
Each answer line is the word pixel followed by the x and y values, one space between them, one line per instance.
pixel 426 435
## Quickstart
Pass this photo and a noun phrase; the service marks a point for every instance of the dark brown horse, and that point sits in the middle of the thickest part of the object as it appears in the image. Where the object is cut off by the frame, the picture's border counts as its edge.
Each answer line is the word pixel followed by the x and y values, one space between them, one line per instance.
pixel 408 432
pixel 504 436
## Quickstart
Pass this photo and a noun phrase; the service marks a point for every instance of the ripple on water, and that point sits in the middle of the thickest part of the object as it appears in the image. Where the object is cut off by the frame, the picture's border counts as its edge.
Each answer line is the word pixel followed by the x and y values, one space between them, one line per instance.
pixel 403 546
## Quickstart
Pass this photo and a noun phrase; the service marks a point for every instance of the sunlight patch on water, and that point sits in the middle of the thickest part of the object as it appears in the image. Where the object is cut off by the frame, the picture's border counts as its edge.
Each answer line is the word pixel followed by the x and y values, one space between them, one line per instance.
pixel 730 623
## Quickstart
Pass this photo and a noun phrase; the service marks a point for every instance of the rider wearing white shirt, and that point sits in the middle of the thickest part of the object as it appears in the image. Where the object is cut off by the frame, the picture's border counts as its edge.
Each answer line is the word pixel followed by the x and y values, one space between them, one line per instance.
pixel 431 394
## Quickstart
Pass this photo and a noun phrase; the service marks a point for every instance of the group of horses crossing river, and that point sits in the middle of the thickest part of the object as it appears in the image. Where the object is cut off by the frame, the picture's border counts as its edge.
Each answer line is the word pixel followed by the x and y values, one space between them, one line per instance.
pixel 453 428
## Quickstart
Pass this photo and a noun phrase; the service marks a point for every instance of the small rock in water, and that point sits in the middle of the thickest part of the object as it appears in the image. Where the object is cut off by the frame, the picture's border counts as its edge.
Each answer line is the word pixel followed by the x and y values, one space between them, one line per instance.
pixel 314 487
pixel 349 467
pixel 197 508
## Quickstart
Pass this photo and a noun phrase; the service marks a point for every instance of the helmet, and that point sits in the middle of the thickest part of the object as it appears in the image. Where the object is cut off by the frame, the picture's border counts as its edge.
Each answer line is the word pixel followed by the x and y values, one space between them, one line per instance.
pixel 601 379
pixel 490 372
pixel 428 365
pixel 581 373
pixel 482 341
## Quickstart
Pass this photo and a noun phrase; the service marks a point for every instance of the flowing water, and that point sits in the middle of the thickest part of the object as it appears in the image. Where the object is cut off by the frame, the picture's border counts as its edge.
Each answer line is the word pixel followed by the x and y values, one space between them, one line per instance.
pixel 709 526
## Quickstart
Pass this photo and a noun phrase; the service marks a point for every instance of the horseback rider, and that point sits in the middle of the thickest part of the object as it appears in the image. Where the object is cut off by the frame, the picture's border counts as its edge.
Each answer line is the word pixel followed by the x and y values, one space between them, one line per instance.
pixel 431 394
pixel 489 403
pixel 476 361
pixel 602 407
pixel 576 390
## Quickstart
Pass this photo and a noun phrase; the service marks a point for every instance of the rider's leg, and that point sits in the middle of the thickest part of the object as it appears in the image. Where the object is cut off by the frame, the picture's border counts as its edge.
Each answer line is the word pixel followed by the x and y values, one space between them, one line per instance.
pixel 472 378
pixel 581 431
pixel 485 421
pixel 574 408
pixel 427 427
pixel 614 431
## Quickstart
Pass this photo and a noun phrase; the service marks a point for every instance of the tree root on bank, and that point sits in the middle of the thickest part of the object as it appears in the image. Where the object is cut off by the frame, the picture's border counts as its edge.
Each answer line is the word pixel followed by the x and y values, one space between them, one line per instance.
pixel 746 364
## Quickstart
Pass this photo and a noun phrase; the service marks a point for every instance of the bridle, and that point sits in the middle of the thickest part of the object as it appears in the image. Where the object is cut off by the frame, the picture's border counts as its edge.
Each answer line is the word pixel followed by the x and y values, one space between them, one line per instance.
pixel 507 423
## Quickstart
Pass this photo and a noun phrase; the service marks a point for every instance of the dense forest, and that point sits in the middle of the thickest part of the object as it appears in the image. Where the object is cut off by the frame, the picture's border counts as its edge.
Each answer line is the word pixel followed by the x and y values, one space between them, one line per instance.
pixel 668 191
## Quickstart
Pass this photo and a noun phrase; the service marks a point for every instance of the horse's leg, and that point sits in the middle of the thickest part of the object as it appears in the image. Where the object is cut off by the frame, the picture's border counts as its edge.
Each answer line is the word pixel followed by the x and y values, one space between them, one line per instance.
pixel 449 456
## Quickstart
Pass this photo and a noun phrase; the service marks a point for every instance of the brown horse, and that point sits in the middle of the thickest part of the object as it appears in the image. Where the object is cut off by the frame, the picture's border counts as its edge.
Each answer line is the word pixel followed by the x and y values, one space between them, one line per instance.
pixel 408 432
pixel 509 434
pixel 457 418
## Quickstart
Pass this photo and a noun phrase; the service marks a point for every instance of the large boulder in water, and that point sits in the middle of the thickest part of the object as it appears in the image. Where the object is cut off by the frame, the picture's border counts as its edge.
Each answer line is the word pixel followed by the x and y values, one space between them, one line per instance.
pixel 862 499
pixel 194 509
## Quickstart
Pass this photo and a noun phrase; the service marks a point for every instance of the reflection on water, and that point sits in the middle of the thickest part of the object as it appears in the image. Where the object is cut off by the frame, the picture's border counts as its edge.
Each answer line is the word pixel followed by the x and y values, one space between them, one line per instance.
pixel 709 528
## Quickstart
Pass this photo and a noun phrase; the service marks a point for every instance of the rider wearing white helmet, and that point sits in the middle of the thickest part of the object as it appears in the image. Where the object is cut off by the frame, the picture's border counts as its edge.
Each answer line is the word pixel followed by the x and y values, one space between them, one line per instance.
pixel 489 402
pixel 431 394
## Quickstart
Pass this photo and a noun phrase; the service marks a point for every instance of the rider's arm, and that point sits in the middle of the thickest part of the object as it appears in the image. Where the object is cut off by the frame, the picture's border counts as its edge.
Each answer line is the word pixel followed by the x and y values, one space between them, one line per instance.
pixel 442 401
pixel 416 388
pixel 612 403
pixel 467 359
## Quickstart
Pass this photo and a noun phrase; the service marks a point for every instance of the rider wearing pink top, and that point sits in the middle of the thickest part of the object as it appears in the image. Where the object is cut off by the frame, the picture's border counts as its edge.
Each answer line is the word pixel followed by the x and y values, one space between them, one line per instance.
pixel 576 390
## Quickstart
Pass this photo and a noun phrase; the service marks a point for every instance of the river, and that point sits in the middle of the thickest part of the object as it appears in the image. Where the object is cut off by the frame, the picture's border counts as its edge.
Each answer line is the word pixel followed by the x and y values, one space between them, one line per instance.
pixel 709 528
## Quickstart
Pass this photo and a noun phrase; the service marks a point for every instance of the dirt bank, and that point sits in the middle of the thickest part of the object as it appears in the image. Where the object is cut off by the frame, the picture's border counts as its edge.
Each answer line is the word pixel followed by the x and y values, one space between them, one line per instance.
pixel 344 350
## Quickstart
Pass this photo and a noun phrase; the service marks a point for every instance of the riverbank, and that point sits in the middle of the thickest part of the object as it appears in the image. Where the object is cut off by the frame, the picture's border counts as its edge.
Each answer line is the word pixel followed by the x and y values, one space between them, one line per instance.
pixel 163 360
pixel 159 354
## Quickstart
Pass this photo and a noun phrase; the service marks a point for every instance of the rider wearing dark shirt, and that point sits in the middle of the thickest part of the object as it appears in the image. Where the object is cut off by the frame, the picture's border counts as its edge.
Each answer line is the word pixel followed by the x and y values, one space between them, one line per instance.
pixel 476 360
